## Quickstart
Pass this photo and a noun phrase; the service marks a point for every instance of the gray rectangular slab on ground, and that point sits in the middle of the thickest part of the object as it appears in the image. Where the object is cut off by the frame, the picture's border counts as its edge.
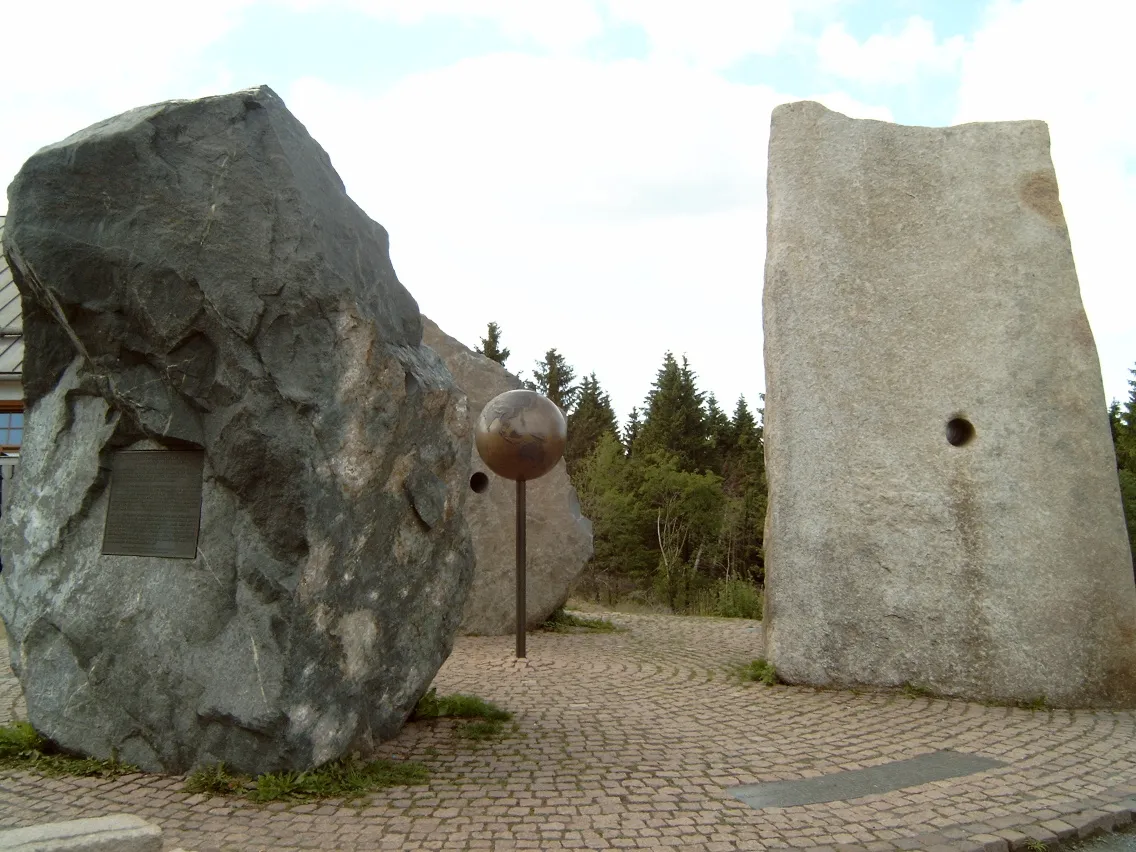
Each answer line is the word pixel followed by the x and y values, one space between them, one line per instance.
pixel 115 833
pixel 853 784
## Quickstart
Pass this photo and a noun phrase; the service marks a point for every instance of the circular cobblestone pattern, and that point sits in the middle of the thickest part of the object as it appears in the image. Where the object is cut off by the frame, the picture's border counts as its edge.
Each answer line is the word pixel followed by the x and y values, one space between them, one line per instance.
pixel 632 740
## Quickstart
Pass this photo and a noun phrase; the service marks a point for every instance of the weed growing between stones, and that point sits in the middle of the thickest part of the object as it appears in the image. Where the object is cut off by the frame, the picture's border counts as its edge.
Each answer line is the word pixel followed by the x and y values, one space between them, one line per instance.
pixel 347 778
pixel 458 706
pixel 1040 704
pixel 759 671
pixel 482 729
pixel 216 781
pixel 567 622
pixel 488 718
pixel 917 690
pixel 1036 705
pixel 22 748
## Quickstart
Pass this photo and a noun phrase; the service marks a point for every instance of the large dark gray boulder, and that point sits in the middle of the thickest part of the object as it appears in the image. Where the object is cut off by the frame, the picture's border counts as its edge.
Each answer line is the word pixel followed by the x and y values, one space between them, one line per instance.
pixel 943 500
pixel 194 276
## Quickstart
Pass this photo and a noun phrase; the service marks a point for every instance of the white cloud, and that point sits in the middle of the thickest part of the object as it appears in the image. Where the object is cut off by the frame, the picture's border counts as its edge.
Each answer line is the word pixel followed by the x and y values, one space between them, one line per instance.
pixel 72 63
pixel 712 33
pixel 889 58
pixel 612 211
pixel 111 50
pixel 718 33
pixel 560 25
pixel 1040 59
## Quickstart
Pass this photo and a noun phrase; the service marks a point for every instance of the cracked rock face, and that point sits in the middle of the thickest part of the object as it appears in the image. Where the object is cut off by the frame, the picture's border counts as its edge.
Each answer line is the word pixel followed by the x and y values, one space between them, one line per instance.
pixel 943 499
pixel 558 537
pixel 194 276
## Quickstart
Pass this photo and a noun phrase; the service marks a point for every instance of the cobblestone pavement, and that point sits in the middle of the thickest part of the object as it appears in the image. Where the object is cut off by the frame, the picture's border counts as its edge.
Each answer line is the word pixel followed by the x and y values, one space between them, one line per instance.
pixel 631 740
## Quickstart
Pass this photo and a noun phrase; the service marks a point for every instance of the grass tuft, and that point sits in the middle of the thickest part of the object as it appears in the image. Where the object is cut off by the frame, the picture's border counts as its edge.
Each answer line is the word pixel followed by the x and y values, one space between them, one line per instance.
pixel 567 622
pixel 22 748
pixel 487 718
pixel 216 781
pixel 759 671
pixel 347 778
pixel 458 706
pixel 482 729
pixel 17 739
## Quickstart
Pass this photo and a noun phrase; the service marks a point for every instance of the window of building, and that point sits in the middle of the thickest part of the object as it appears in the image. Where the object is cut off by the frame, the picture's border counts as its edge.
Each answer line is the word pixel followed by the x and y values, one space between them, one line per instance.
pixel 11 426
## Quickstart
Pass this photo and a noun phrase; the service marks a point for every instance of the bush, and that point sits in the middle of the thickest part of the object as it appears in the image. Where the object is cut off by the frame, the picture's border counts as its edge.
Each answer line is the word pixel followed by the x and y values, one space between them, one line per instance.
pixel 730 599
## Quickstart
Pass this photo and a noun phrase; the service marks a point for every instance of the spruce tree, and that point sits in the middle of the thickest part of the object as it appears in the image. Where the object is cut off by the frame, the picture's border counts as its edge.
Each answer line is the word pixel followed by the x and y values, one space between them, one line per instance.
pixel 744 482
pixel 491 345
pixel 718 429
pixel 592 418
pixel 631 431
pixel 1123 423
pixel 1116 426
pixel 554 378
pixel 743 425
pixel 1125 430
pixel 675 421
pixel 623 524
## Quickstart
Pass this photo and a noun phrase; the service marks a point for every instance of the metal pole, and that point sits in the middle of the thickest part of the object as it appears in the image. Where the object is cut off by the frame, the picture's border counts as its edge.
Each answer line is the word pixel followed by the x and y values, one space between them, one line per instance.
pixel 520 569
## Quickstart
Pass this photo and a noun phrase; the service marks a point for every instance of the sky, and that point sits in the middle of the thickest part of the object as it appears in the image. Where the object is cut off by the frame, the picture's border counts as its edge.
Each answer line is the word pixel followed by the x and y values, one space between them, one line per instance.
pixel 590 174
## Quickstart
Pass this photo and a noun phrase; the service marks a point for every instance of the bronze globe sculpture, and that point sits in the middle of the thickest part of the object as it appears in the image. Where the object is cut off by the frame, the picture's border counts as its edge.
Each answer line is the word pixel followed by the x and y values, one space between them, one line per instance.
pixel 520 435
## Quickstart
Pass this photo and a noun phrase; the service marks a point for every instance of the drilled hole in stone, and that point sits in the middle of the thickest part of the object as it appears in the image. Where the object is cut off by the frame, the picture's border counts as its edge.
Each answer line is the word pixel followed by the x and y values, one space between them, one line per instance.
pixel 960 432
pixel 479 482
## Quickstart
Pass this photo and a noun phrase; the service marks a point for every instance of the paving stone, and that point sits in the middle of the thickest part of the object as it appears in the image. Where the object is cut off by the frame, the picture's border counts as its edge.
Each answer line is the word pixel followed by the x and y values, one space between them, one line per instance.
pixel 1015 839
pixel 648 759
pixel 988 843
pixel 1091 821
pixel 1041 834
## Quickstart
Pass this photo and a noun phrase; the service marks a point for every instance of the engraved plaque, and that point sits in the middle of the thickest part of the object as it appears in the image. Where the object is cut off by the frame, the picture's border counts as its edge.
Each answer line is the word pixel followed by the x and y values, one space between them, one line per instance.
pixel 155 503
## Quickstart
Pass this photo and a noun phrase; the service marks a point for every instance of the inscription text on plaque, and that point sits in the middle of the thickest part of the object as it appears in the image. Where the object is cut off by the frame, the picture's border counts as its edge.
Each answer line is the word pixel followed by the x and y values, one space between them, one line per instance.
pixel 155 503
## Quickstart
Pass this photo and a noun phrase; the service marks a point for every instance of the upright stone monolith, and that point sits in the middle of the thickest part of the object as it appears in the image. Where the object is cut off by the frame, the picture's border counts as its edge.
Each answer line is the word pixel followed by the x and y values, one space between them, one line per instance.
pixel 222 366
pixel 943 498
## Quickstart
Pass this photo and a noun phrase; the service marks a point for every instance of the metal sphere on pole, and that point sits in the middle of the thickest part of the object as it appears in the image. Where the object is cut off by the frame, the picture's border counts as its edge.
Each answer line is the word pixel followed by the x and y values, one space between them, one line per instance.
pixel 521 435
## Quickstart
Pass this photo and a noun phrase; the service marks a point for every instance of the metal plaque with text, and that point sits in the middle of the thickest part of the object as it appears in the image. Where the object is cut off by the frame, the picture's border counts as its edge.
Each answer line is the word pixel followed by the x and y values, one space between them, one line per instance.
pixel 155 503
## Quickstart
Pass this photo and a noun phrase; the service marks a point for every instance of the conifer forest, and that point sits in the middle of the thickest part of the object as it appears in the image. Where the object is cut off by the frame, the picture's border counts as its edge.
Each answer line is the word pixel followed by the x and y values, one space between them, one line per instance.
pixel 677 496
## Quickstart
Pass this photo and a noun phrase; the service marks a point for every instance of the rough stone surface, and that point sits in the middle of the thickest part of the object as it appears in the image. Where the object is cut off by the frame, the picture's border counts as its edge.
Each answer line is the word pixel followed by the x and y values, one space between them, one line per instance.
pixel 914 276
pixel 558 537
pixel 194 275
